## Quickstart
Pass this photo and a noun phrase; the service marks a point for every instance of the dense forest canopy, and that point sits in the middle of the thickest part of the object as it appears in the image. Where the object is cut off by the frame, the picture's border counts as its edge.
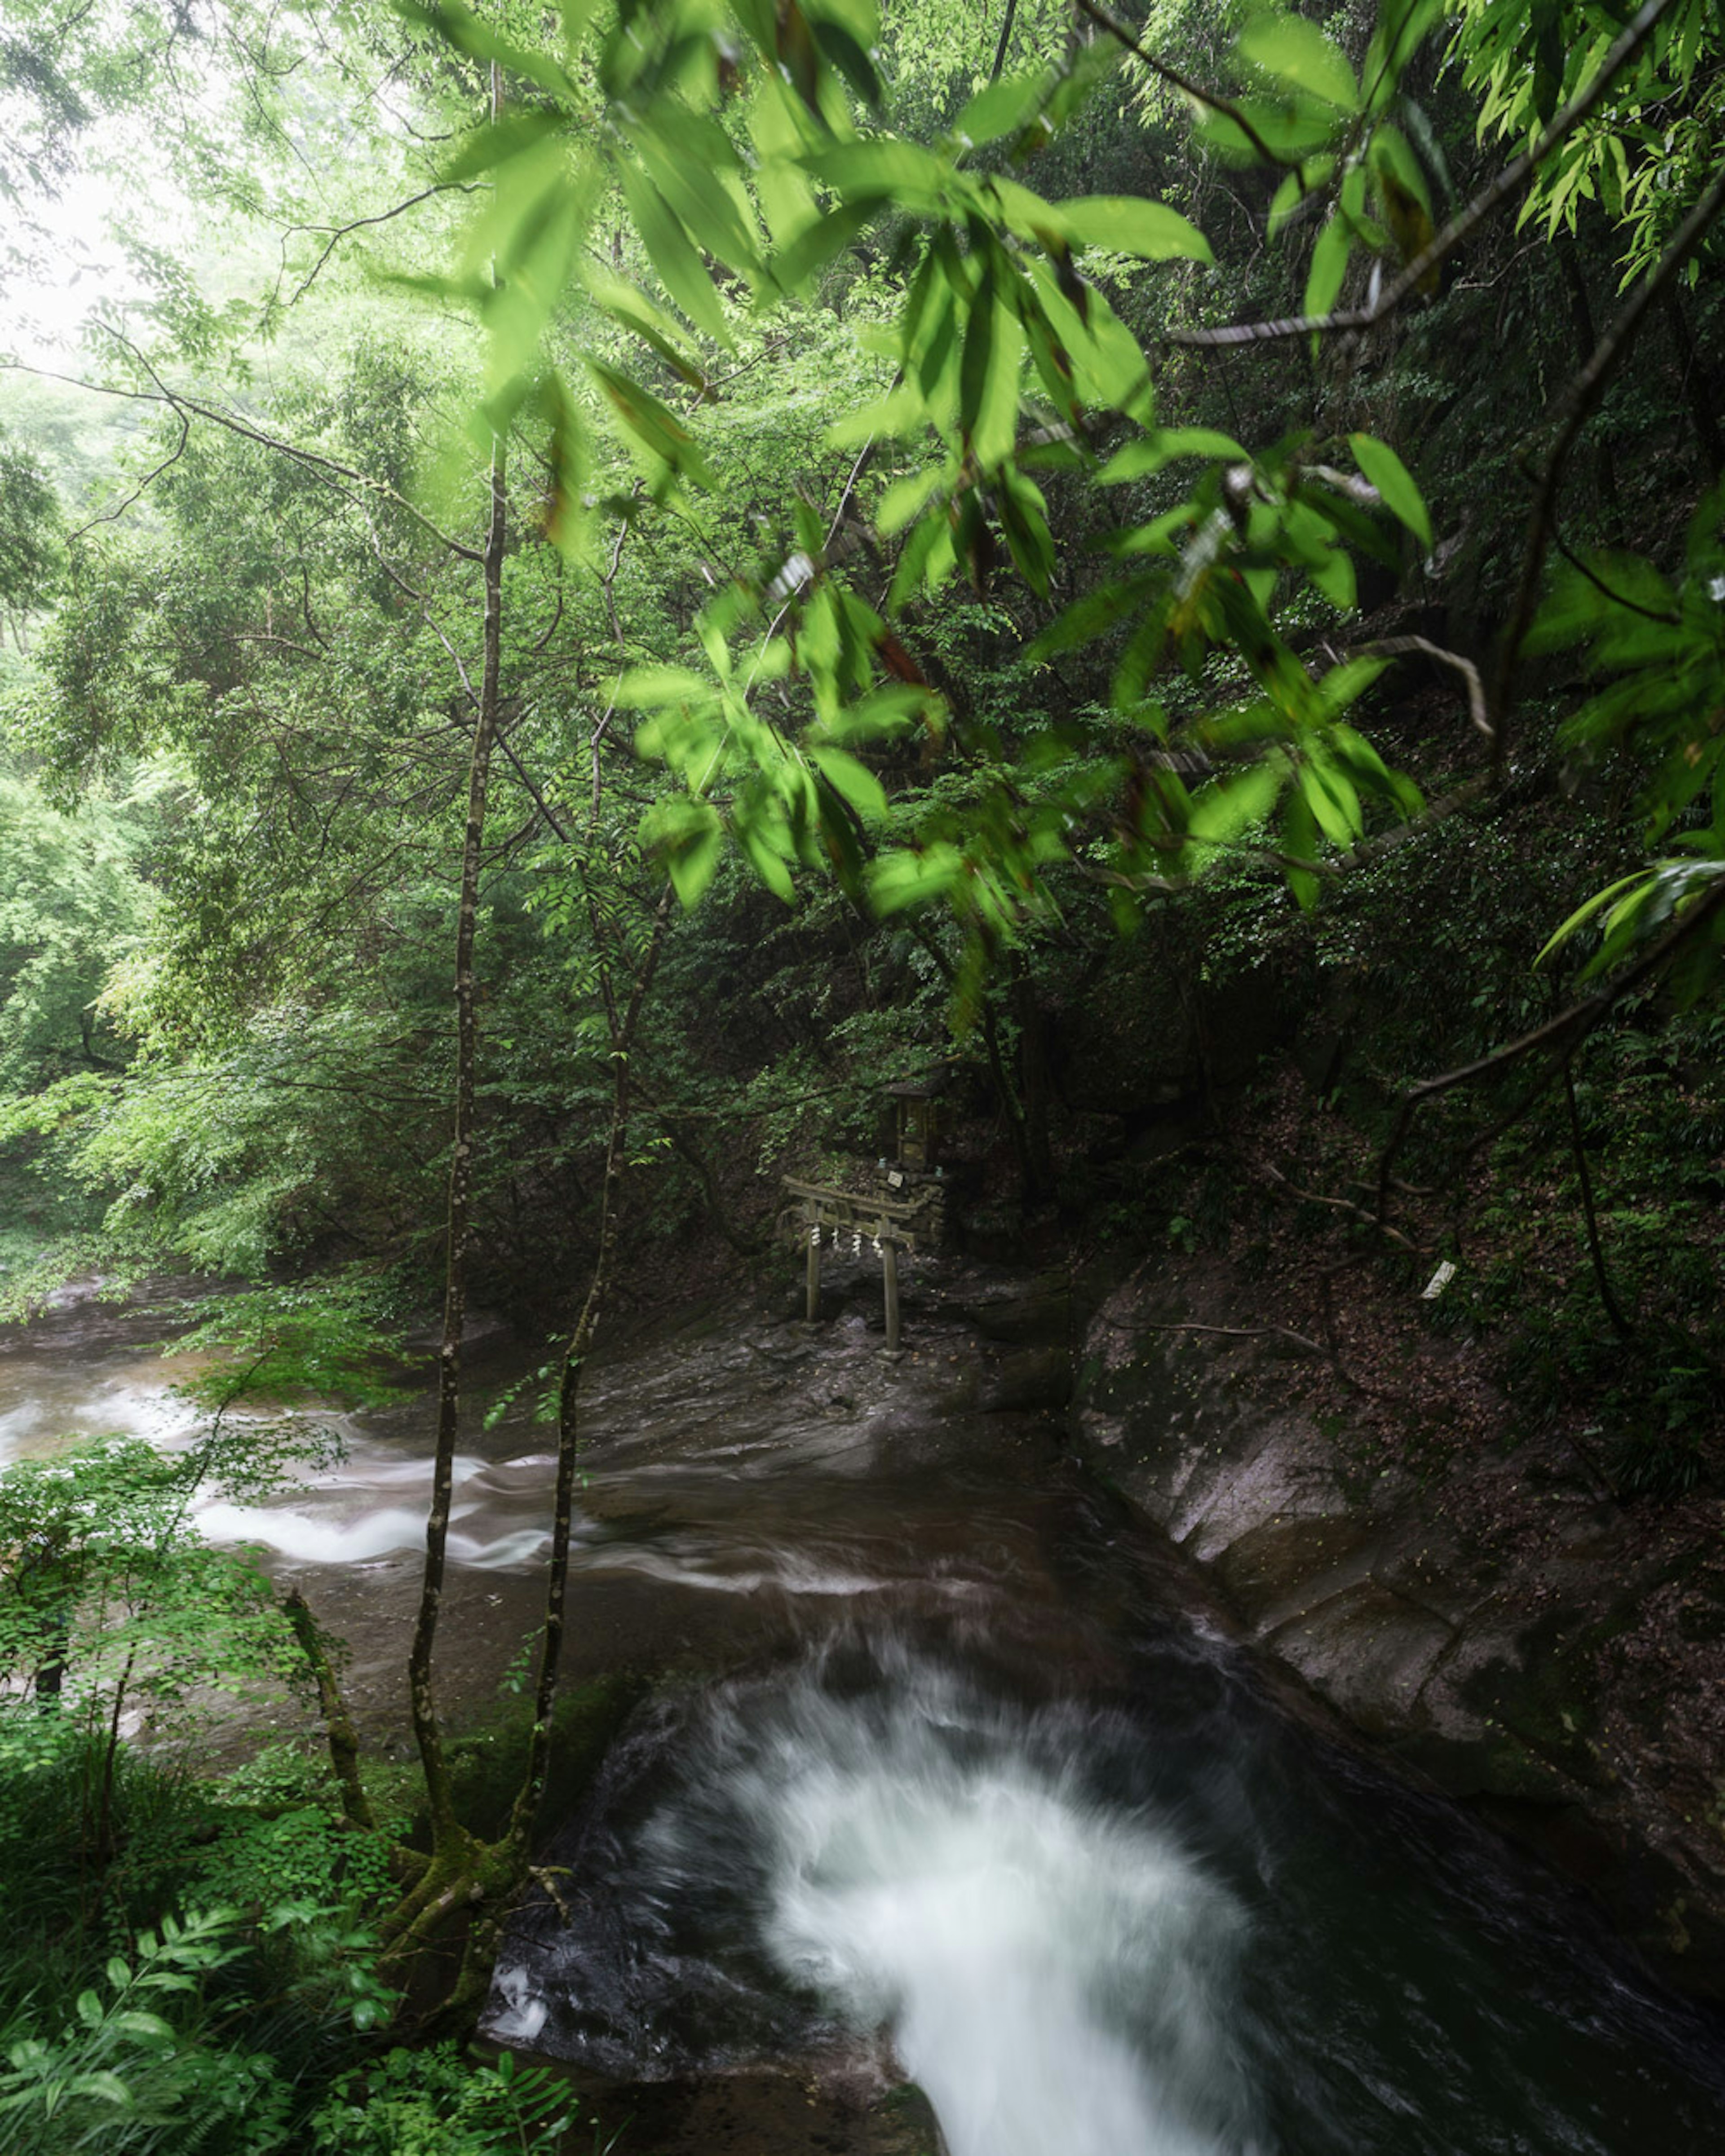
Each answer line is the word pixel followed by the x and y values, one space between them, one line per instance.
pixel 775 545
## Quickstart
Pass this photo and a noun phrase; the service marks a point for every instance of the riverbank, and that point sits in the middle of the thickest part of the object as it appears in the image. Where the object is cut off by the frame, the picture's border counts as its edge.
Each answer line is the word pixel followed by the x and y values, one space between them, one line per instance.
pixel 1457 1586
pixel 926 1639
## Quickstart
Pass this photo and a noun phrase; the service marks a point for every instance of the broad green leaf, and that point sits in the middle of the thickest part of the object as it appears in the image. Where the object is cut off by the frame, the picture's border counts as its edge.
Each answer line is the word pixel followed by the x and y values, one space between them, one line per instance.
pixel 107 2085
pixel 758 841
pixel 1585 913
pixel 1290 129
pixel 652 424
pixel 1299 838
pixel 1344 685
pixel 697 189
pixel 492 145
pixel 1394 482
pixel 816 245
pixel 1141 459
pixel 928 558
pixel 648 688
pixel 1332 800
pixel 1003 108
pixel 882 169
pixel 905 877
pixel 853 780
pixel 848 54
pixel 149 2027
pixel 690 836
pixel 901 412
pixel 1329 266
pixel 1297 51
pixel 673 254
pixel 904 498
pixel 989 381
pixel 1228 806
pixel 1128 224
pixel 1332 575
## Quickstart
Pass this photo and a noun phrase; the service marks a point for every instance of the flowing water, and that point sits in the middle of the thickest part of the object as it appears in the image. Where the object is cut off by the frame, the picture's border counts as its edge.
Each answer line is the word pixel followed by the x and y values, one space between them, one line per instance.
pixel 961 1777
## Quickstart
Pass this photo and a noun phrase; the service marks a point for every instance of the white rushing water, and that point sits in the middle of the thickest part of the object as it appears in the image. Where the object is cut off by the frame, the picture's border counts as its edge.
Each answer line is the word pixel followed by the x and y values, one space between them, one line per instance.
pixel 1052 1980
pixel 1054 1976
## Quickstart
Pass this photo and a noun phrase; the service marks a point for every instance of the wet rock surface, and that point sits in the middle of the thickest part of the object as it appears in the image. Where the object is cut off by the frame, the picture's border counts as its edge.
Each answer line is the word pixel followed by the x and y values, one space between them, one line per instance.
pixel 1492 1662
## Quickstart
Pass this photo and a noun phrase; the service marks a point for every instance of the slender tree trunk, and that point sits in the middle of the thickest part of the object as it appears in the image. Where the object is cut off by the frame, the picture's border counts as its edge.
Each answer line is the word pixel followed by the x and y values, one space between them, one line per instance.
pixel 446 1827
pixel 1698 387
pixel 343 1737
pixel 1581 313
pixel 1602 1280
pixel 624 1024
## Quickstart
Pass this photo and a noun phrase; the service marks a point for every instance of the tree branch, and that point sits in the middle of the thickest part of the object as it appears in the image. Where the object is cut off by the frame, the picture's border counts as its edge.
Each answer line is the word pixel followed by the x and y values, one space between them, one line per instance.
pixel 1506 185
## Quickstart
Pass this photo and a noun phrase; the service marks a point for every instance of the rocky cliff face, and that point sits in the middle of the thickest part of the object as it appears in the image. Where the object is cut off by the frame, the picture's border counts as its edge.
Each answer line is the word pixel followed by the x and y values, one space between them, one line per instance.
pixel 1506 1631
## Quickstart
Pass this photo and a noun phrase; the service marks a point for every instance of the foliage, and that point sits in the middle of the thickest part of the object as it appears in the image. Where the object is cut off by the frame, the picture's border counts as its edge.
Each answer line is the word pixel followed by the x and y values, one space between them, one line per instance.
pixel 1646 153
pixel 430 2103
pixel 73 902
pixel 1663 642
pixel 106 1591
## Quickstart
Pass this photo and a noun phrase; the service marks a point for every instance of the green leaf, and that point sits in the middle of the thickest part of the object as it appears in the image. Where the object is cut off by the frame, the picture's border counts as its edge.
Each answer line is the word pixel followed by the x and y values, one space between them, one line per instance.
pixel 1299 837
pixel 1585 913
pixel 674 256
pixel 1128 224
pixel 690 836
pixel 652 424
pixel 1329 266
pixel 766 859
pixel 1295 51
pixel 928 553
pixel 854 782
pixel 1003 108
pixel 989 381
pixel 648 688
pixel 830 234
pixel 1141 459
pixel 1332 576
pixel 848 56
pixel 901 412
pixel 150 2027
pixel 494 144
pixel 904 877
pixel 108 2086
pixel 904 498
pixel 882 169
pixel 456 26
pixel 1229 806
pixel 1332 800
pixel 1394 482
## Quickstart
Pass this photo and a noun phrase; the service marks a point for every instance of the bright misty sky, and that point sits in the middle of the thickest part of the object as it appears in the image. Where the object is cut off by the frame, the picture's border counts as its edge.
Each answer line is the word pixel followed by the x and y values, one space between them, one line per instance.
pixel 44 313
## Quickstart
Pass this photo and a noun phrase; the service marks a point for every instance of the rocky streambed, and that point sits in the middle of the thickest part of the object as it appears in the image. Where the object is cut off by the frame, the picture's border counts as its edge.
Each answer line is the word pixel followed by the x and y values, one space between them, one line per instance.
pixel 1018 1718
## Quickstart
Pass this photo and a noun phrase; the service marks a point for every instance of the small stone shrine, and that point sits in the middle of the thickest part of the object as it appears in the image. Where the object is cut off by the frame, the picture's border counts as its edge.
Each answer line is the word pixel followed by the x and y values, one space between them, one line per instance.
pixel 907 1211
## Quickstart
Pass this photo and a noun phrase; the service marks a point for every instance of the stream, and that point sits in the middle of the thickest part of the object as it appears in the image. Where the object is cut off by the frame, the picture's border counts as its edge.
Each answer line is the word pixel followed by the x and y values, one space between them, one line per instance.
pixel 957 1773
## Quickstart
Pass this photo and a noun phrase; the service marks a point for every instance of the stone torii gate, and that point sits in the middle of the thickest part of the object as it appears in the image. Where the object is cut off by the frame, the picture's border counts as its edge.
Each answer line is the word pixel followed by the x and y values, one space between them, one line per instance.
pixel 892 1225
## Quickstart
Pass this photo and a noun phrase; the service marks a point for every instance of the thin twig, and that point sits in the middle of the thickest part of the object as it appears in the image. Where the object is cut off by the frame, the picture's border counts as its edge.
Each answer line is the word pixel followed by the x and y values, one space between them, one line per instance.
pixel 1249 1332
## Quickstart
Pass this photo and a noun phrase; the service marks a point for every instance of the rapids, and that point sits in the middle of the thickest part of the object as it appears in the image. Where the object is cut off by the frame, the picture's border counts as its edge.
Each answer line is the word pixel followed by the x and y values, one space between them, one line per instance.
pixel 954 1772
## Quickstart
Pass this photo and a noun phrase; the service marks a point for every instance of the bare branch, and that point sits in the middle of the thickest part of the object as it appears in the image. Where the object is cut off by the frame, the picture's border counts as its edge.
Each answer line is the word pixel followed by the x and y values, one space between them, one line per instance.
pixel 338 232
pixel 1395 647
pixel 1507 184
pixel 1123 34
pixel 113 515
